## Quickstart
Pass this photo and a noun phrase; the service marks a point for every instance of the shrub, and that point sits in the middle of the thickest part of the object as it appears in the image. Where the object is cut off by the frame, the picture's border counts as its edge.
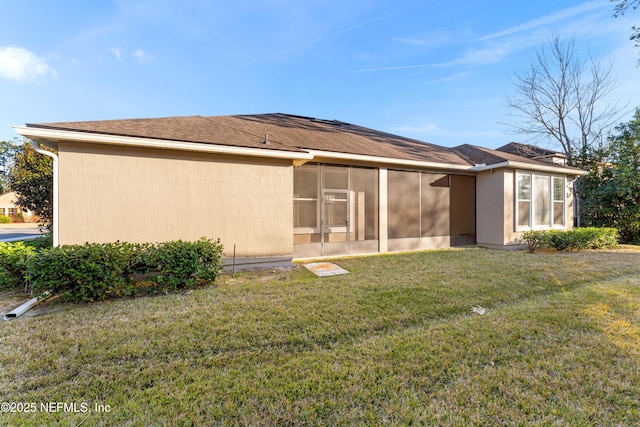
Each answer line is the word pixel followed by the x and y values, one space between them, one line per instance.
pixel 534 239
pixel 560 240
pixel 13 263
pixel 5 219
pixel 91 272
pixel 605 237
pixel 176 265
pixel 83 273
pixel 45 241
pixel 575 239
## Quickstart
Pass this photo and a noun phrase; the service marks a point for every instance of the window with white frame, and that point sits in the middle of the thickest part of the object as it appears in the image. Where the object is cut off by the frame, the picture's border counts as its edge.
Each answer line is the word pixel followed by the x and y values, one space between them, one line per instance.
pixel 558 201
pixel 540 201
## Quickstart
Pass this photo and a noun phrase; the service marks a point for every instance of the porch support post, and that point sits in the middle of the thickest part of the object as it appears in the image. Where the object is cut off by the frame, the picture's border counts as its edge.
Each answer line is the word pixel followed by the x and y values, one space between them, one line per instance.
pixel 383 241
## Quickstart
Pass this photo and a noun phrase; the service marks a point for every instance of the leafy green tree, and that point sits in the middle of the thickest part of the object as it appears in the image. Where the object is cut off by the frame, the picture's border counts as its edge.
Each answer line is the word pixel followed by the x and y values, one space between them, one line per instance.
pixel 7 154
pixel 31 177
pixel 611 192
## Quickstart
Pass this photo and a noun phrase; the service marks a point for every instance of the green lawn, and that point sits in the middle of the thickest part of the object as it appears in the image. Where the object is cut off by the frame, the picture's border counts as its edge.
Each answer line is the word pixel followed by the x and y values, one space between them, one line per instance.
pixel 394 342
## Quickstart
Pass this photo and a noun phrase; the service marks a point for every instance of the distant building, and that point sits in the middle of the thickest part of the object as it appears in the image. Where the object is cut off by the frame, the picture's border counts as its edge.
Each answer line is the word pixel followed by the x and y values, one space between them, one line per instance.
pixel 9 207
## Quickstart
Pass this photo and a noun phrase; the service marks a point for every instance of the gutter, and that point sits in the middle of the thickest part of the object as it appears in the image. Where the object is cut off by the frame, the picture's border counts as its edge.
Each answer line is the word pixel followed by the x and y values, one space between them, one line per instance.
pixel 65 135
pixel 388 160
pixel 298 158
pixel 54 231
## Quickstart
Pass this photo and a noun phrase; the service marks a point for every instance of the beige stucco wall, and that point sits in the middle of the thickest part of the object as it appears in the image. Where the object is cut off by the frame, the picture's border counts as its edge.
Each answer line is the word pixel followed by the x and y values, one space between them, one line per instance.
pixel 490 208
pixel 496 208
pixel 110 193
pixel 569 202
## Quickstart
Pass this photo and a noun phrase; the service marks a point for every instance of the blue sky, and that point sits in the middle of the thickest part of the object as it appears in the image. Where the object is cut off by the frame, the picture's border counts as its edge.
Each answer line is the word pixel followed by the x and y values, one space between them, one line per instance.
pixel 430 70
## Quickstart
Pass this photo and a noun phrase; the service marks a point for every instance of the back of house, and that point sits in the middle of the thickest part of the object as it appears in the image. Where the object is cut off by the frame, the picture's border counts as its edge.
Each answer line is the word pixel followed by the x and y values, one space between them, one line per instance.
pixel 278 185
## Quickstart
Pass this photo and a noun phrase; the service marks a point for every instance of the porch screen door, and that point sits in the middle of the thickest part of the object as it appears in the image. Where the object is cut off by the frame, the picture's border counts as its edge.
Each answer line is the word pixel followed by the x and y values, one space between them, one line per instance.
pixel 335 222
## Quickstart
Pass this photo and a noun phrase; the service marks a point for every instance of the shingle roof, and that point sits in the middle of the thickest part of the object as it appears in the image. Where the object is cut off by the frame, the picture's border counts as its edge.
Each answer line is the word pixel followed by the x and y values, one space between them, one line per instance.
pixel 481 155
pixel 224 130
pixel 285 132
pixel 528 150
pixel 291 133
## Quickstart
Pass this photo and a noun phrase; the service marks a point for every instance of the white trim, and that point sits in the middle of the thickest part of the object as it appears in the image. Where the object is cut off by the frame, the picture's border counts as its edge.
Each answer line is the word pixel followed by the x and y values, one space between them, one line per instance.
pixel 387 160
pixel 532 185
pixel 529 166
pixel 52 135
pixel 57 135
pixel 383 218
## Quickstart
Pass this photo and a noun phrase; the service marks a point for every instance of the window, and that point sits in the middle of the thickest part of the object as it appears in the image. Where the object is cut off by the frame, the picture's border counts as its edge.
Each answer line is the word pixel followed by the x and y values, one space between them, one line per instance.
pixel 524 200
pixel 540 201
pixel 558 201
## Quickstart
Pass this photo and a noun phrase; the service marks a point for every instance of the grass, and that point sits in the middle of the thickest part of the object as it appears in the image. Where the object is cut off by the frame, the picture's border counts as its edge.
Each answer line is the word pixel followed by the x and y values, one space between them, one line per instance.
pixel 394 342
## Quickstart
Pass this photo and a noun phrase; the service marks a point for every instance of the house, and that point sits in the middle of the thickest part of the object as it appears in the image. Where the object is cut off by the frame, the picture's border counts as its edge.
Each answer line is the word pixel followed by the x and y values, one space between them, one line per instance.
pixel 9 207
pixel 278 185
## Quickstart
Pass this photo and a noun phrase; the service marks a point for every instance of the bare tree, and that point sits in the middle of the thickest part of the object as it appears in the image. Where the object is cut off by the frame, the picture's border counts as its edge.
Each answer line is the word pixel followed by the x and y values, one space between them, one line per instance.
pixel 623 6
pixel 562 99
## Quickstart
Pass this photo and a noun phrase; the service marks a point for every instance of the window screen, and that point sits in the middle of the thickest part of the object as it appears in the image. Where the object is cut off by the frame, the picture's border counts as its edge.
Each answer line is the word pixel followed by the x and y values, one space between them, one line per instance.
pixel 403 204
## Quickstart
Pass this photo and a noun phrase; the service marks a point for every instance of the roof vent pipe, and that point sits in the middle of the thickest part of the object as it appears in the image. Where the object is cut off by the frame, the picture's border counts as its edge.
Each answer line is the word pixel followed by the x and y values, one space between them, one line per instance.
pixel 266 139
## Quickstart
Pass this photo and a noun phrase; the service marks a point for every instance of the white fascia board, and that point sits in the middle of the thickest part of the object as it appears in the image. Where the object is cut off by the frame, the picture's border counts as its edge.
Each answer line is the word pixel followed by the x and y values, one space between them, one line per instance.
pixel 388 160
pixel 529 166
pixel 97 138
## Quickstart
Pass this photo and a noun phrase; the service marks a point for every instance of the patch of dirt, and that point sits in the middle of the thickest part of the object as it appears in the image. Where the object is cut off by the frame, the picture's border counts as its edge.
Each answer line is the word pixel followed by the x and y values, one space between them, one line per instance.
pixel 11 300
pixel 624 249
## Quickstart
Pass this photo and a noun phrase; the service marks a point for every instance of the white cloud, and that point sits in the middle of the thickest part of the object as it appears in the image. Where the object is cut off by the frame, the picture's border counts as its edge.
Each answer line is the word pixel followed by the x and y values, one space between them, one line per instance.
pixel 400 67
pixel 117 52
pixel 451 78
pixel 21 65
pixel 431 130
pixel 141 55
pixel 429 39
pixel 425 128
pixel 550 19
pixel 413 41
pixel 487 55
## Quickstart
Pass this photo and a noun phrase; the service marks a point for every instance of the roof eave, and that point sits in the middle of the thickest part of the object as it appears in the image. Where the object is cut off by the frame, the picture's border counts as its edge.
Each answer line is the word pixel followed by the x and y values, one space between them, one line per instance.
pixel 388 160
pixel 529 166
pixel 54 135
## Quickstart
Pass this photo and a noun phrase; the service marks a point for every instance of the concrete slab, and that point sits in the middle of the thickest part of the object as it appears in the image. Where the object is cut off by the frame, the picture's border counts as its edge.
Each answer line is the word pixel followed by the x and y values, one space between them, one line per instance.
pixel 325 269
pixel 256 263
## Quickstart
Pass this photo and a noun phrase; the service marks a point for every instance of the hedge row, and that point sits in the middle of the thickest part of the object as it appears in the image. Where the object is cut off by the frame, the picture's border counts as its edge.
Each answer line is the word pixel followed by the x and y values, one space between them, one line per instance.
pixel 575 239
pixel 92 272
pixel 13 263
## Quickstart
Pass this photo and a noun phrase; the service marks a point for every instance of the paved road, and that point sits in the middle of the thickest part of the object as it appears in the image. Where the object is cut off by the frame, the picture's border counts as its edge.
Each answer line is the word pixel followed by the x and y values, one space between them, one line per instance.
pixel 11 233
